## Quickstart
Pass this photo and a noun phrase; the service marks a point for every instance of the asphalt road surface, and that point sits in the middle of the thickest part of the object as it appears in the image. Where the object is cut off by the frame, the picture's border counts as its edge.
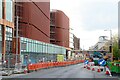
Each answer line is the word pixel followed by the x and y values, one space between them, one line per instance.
pixel 73 71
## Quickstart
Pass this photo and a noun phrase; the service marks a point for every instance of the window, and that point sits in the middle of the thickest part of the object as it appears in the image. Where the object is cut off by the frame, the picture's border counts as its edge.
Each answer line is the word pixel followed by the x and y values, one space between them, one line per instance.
pixel 8 39
pixel 9 10
pixel 23 46
pixel 0 9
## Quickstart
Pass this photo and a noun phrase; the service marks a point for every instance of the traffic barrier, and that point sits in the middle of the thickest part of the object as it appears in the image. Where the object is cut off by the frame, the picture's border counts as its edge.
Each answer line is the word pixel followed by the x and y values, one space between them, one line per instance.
pixel 57 63
pixel 37 66
pixel 31 67
pixel 46 64
pixel 108 71
pixel 40 65
pixel 64 63
pixel 51 64
pixel 60 64
pixel 43 65
pixel 54 64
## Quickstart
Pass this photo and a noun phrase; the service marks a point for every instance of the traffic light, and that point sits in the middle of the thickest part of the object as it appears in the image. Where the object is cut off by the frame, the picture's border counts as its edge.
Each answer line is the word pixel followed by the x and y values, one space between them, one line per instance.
pixel 110 49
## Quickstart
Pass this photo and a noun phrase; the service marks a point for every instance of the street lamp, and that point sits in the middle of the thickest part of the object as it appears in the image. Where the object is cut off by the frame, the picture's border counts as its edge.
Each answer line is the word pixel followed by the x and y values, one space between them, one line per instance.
pixel 110 47
pixel 110 34
pixel 17 39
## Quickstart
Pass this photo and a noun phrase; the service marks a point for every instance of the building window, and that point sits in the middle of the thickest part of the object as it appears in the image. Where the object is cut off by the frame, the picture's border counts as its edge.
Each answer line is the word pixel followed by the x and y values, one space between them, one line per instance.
pixel 9 10
pixel 8 40
pixel 0 9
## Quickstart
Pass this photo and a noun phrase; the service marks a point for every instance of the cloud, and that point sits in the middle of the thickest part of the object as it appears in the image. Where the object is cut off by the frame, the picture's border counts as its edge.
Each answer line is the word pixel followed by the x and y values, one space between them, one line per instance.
pixel 89 18
pixel 100 15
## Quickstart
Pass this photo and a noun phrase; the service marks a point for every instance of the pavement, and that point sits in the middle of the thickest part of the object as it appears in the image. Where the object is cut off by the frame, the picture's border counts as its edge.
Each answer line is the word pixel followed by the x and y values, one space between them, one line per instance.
pixel 73 71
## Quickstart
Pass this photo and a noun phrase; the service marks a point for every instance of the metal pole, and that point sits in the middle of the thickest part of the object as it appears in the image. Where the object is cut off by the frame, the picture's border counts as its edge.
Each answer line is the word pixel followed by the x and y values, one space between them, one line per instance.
pixel 111 43
pixel 8 62
pixel 111 36
pixel 16 39
pixel 20 51
pixel 9 56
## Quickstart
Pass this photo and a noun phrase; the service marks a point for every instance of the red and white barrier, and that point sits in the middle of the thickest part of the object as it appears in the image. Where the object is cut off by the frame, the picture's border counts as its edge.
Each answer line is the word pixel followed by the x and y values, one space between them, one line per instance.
pixel 107 71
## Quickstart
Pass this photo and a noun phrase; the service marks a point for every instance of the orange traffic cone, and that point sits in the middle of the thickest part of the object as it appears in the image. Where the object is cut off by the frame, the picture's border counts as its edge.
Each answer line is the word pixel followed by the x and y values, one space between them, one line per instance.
pixel 84 66
pixel 98 70
pixel 88 67
pixel 93 69
pixel 107 73
pixel 25 71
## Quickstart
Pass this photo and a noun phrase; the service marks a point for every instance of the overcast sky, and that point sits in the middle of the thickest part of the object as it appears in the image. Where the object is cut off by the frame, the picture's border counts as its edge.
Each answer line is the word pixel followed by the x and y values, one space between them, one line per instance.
pixel 89 18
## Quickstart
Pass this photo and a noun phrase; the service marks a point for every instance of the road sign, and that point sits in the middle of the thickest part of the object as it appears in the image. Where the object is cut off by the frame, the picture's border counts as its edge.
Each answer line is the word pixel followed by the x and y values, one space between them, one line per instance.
pixel 102 62
pixel 86 62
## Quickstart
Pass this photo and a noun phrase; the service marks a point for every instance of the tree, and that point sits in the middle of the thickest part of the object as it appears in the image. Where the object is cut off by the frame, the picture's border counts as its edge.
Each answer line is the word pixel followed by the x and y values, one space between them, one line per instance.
pixel 116 51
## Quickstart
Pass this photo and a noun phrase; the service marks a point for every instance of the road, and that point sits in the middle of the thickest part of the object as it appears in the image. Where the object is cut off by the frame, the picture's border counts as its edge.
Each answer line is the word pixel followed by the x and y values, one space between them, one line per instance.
pixel 74 71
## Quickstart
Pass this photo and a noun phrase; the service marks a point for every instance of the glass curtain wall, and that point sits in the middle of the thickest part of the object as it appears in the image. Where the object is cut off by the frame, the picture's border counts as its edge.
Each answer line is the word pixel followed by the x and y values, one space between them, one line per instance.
pixel 34 51
pixel 33 46
pixel 0 9
pixel 9 10
pixel 8 40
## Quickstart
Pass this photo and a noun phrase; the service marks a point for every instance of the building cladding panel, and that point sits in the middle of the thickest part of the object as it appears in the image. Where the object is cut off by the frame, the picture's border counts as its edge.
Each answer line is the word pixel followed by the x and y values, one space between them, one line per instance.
pixel 76 43
pixel 61 28
pixel 36 21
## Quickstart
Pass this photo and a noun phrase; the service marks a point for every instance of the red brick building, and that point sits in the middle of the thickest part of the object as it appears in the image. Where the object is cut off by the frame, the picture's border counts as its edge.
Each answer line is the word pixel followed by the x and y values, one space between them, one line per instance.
pixel 59 28
pixel 34 20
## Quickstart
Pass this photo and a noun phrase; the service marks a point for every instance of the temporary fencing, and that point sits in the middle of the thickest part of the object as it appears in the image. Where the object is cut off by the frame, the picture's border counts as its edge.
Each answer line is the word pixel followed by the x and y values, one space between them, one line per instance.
pixel 42 65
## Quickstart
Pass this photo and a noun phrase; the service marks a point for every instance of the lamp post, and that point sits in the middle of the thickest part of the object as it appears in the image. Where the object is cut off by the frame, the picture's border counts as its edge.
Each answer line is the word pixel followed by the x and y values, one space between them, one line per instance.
pixel 17 39
pixel 110 47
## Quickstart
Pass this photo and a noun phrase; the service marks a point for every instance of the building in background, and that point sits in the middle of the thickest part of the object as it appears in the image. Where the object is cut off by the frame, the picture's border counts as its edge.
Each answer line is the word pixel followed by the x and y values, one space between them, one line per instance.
pixel 76 43
pixel 34 20
pixel 6 27
pixel 34 33
pixel 102 44
pixel 59 28
pixel 71 42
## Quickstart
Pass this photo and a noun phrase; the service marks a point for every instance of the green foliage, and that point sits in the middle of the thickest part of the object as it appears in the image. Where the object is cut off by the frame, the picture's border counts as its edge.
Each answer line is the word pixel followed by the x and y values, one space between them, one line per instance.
pixel 116 51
